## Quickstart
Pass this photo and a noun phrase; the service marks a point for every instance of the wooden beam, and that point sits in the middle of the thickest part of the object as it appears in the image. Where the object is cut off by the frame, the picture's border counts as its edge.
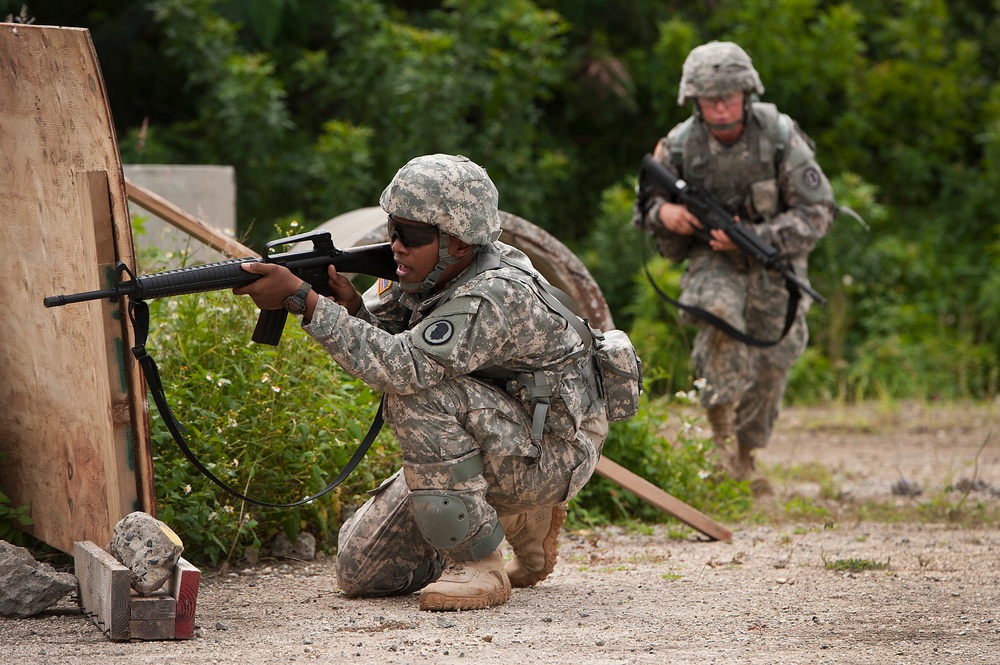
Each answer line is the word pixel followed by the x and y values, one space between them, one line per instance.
pixel 106 595
pixel 177 217
pixel 671 505
pixel 105 589
pixel 184 587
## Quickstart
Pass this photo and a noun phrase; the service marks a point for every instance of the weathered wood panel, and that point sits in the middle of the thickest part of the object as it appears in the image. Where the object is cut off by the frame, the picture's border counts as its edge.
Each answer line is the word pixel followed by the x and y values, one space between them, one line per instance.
pixel 73 416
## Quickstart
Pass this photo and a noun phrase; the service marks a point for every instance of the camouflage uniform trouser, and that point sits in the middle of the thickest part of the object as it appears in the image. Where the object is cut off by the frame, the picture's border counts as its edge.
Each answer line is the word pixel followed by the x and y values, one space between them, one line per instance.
pixel 753 378
pixel 381 549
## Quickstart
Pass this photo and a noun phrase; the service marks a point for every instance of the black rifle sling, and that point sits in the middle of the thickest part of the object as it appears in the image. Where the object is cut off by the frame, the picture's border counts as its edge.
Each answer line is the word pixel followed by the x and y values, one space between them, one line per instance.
pixel 138 312
pixel 793 304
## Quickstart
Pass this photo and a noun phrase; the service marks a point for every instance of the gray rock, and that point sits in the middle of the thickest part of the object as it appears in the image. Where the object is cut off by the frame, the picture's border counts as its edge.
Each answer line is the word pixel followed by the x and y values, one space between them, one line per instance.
pixel 304 547
pixel 148 548
pixel 27 586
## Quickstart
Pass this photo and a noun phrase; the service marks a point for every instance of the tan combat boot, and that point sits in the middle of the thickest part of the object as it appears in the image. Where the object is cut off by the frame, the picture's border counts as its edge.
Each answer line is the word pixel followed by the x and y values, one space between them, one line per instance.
pixel 745 468
pixel 468 585
pixel 534 537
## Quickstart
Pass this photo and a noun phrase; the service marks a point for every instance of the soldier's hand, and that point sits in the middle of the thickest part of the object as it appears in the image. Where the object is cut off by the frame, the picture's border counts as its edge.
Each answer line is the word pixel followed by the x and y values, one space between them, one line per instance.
pixel 720 241
pixel 276 284
pixel 343 291
pixel 678 219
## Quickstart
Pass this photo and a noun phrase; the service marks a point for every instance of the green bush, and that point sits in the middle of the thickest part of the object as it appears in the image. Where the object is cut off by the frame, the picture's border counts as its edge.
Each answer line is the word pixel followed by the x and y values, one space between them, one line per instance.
pixel 674 452
pixel 10 518
pixel 661 337
pixel 275 423
pixel 278 423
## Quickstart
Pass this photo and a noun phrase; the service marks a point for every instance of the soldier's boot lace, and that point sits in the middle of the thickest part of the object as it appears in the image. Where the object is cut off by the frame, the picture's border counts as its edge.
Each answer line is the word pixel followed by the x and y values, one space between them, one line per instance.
pixel 468 585
pixel 534 537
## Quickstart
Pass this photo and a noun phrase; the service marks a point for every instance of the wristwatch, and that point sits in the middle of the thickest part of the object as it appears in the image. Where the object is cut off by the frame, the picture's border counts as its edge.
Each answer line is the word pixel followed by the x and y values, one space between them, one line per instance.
pixel 296 303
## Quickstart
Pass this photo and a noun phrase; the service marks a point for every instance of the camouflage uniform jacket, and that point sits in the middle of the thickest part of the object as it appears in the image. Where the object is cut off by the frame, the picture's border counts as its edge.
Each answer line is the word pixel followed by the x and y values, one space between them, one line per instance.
pixel 790 204
pixel 490 316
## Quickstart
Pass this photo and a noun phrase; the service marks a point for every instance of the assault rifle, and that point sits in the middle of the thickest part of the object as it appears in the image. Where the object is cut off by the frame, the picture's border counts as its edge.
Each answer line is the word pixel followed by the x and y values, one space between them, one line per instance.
pixel 309 265
pixel 654 176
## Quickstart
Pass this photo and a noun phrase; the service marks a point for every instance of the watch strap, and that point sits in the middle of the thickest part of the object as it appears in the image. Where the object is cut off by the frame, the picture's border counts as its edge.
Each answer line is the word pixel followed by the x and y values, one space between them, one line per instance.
pixel 296 303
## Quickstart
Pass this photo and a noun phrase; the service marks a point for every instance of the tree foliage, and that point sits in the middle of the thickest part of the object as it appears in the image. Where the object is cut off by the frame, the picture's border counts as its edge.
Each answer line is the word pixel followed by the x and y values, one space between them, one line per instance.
pixel 317 102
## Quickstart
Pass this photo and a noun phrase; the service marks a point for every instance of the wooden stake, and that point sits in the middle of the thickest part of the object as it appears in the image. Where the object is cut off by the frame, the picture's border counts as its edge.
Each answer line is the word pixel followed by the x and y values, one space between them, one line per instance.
pixel 669 504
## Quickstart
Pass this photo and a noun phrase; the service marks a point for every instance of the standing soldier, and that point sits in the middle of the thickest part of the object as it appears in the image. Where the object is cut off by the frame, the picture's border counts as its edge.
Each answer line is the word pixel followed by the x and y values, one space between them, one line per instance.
pixel 758 164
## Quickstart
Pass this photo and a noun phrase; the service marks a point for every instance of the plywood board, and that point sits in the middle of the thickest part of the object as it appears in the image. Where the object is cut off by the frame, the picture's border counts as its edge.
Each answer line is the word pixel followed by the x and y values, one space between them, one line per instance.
pixel 74 431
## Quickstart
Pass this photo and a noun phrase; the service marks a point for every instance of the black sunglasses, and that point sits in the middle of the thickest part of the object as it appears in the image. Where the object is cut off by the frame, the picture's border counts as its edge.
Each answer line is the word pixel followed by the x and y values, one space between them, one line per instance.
pixel 410 235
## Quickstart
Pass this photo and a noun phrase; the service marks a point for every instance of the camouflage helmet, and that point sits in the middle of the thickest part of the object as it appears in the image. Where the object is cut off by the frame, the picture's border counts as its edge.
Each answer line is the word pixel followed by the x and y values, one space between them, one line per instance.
pixel 716 69
pixel 449 191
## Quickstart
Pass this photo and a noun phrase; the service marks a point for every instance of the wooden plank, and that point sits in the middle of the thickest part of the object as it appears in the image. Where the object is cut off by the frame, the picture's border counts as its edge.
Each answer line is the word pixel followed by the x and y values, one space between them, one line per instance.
pixel 184 588
pixel 105 589
pixel 671 505
pixel 154 607
pixel 174 215
pixel 64 439
pixel 116 451
pixel 153 616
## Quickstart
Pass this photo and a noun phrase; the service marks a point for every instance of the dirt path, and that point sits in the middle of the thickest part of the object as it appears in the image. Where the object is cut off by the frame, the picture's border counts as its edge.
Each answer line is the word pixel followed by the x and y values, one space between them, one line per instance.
pixel 772 595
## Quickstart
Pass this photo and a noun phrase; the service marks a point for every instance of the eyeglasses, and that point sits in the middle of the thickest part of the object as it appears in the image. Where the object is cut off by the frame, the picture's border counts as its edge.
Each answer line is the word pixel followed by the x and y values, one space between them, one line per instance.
pixel 410 235
pixel 732 99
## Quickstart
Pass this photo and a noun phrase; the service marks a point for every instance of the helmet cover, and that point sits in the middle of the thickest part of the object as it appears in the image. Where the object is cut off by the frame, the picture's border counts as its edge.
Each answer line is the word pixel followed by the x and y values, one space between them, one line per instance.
pixel 716 69
pixel 450 192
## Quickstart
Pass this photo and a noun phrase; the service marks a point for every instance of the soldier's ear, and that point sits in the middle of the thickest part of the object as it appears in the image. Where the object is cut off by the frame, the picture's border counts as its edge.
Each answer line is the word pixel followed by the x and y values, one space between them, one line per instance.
pixel 458 247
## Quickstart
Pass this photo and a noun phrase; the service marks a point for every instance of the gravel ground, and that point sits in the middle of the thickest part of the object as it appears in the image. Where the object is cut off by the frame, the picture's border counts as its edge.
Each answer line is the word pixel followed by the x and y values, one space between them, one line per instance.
pixel 791 587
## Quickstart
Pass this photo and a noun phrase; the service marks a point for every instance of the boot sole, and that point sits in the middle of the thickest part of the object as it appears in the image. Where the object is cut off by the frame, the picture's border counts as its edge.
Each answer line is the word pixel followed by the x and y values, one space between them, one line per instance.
pixel 551 548
pixel 439 602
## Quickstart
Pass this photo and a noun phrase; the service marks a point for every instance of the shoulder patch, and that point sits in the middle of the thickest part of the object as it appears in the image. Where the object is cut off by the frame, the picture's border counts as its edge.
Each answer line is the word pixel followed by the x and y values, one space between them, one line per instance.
pixel 811 178
pixel 384 285
pixel 439 332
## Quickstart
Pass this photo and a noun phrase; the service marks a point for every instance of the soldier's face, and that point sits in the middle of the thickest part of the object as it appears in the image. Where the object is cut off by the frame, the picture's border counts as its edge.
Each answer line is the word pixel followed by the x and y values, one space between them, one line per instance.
pixel 723 115
pixel 414 247
pixel 722 110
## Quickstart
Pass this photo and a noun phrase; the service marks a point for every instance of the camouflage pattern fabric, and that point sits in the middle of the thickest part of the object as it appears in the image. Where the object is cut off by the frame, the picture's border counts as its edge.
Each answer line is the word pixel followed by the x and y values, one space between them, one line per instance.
pixel 421 353
pixel 790 206
pixel 716 69
pixel 449 191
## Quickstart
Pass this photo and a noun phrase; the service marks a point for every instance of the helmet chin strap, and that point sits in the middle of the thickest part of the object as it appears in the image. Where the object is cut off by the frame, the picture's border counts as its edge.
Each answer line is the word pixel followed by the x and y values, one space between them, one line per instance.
pixel 444 260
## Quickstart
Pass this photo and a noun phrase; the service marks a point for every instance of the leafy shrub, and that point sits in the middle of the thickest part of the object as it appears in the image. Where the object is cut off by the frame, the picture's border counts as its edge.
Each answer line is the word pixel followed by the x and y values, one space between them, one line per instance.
pixel 10 517
pixel 684 466
pixel 661 337
pixel 275 423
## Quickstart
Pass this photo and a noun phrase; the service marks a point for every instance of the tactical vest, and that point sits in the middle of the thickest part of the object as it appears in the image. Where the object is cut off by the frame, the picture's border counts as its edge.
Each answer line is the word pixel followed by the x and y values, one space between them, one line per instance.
pixel 754 158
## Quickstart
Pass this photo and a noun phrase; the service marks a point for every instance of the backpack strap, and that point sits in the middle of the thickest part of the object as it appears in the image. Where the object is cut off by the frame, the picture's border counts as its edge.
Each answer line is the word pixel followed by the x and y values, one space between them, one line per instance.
pixel 677 145
pixel 784 130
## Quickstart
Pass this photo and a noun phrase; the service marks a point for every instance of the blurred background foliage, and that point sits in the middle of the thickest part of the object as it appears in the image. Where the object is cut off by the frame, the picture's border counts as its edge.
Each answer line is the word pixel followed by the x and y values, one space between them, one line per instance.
pixel 317 102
